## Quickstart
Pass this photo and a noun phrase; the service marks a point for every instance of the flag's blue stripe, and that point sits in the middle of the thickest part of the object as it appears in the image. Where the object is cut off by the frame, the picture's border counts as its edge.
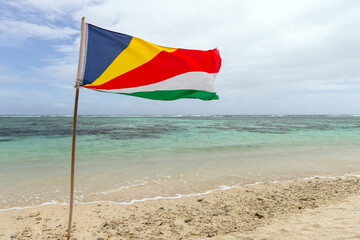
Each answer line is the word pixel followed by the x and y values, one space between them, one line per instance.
pixel 102 49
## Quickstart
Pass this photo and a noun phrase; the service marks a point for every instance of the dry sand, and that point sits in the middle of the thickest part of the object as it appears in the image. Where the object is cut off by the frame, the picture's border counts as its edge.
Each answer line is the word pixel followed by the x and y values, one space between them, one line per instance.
pixel 340 220
pixel 307 209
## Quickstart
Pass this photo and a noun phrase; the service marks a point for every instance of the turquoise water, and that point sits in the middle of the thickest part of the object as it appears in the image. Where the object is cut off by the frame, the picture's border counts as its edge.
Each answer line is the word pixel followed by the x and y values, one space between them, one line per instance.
pixel 125 158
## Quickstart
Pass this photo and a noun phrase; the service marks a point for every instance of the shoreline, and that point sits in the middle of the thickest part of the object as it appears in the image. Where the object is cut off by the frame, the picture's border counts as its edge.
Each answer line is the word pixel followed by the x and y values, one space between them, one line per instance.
pixel 179 195
pixel 238 210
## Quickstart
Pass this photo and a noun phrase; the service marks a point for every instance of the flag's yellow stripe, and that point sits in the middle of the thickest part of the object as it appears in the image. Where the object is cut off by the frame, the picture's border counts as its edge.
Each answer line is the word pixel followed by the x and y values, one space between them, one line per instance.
pixel 136 54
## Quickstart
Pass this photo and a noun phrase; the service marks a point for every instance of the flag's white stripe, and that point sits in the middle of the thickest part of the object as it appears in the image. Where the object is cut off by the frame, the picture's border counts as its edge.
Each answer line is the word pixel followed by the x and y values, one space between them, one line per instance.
pixel 82 53
pixel 201 81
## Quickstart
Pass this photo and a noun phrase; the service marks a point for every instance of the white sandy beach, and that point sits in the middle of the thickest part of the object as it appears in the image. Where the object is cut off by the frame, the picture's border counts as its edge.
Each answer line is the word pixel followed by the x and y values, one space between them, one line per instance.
pixel 307 209
pixel 339 220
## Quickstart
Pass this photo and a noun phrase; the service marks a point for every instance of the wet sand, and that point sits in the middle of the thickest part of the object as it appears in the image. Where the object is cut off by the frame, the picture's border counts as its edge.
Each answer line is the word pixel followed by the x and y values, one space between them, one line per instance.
pixel 306 209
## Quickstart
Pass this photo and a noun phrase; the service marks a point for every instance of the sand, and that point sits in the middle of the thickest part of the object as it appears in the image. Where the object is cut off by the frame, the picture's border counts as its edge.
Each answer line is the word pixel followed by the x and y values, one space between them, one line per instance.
pixel 306 209
pixel 339 220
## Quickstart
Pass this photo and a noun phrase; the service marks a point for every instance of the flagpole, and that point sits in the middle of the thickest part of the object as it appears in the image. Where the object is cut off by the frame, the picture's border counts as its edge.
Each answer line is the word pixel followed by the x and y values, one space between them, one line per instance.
pixel 77 86
pixel 73 163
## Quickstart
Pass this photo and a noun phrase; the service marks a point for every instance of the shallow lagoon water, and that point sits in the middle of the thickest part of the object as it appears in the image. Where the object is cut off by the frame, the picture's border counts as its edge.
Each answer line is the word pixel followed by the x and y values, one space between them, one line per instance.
pixel 125 158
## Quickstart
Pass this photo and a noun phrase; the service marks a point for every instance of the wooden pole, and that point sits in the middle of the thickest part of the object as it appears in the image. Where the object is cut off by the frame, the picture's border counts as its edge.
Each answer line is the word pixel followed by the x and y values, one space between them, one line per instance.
pixel 80 75
pixel 73 163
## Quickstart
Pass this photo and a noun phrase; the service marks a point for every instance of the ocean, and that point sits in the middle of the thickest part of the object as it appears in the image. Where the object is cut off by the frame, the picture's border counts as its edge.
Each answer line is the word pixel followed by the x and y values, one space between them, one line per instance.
pixel 124 159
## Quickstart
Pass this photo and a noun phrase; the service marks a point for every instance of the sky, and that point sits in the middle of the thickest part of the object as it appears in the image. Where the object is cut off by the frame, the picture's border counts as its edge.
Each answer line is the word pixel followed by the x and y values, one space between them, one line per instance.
pixel 278 56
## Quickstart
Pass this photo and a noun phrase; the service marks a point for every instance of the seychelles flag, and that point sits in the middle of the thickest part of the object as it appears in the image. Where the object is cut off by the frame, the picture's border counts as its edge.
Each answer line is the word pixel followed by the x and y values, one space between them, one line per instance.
pixel 119 63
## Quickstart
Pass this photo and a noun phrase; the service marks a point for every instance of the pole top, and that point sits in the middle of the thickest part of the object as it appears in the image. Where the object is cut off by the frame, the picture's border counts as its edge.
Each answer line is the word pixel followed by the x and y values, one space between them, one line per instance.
pixel 83 19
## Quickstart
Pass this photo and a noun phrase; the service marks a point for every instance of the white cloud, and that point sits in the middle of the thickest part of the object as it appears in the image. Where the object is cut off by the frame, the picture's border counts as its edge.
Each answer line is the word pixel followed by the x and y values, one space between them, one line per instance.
pixel 12 30
pixel 340 85
pixel 62 71
pixel 50 10
pixel 273 51
pixel 9 79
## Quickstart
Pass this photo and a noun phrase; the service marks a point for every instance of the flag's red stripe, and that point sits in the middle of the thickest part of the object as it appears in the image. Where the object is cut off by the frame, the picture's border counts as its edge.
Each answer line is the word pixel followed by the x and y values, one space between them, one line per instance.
pixel 166 65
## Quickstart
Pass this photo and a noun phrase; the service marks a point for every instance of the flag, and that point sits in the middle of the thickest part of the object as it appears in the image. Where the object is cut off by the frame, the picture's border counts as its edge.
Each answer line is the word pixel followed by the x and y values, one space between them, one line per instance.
pixel 119 63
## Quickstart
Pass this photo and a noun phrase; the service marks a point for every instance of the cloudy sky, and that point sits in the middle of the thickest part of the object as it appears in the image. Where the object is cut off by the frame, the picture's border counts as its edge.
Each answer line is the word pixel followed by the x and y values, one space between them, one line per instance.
pixel 279 56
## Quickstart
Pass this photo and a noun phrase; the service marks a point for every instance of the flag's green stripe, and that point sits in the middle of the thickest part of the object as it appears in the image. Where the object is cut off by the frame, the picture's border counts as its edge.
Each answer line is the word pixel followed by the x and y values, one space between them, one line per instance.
pixel 169 95
pixel 175 94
